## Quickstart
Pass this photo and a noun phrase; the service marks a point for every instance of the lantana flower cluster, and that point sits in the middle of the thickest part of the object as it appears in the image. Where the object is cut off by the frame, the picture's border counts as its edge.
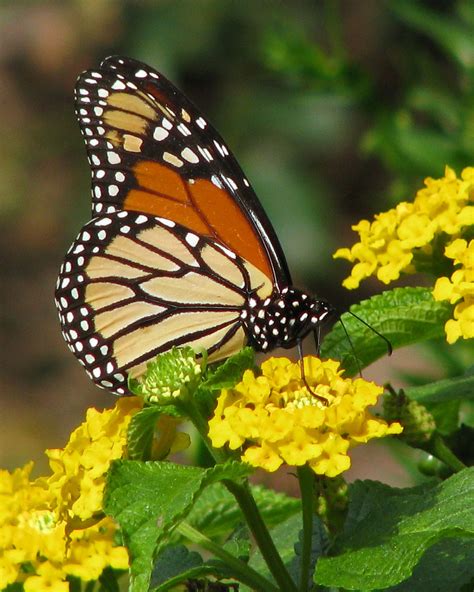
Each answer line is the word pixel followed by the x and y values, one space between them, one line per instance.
pixel 53 527
pixel 459 288
pixel 274 418
pixel 397 240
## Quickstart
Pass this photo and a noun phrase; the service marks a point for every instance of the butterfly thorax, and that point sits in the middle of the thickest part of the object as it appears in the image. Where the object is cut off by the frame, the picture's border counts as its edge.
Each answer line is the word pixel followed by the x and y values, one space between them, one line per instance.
pixel 283 319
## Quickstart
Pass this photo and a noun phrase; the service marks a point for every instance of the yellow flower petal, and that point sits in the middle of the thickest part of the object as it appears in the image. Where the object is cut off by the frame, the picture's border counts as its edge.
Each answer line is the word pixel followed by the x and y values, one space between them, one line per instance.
pixel 289 424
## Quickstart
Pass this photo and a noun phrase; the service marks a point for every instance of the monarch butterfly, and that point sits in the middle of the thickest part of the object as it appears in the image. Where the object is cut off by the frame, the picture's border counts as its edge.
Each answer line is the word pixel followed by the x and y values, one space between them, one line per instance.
pixel 179 251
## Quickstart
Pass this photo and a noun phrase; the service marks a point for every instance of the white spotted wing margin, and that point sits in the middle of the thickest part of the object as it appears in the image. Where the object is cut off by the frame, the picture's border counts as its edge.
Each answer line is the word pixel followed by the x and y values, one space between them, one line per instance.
pixel 133 285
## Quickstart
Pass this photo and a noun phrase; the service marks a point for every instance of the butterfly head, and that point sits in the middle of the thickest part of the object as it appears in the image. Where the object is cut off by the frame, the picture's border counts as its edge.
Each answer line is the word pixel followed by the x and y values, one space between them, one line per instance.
pixel 284 319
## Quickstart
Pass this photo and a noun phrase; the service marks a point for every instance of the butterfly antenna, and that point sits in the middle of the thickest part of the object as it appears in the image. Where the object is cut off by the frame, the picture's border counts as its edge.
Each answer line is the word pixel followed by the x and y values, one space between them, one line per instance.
pixel 387 341
pixel 352 346
pixel 303 375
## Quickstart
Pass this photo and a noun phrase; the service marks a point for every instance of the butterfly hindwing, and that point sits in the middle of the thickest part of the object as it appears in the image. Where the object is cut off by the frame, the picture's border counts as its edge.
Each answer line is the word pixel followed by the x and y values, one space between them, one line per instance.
pixel 133 285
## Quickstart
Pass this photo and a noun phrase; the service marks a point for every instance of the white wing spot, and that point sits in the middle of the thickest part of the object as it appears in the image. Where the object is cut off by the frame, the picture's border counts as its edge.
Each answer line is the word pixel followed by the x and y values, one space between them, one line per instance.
pixel 201 122
pixel 140 74
pixel 118 85
pixel 113 158
pixel 113 190
pixel 167 222
pixel 192 239
pixel 166 123
pixel 216 181
pixel 232 183
pixel 184 129
pixel 172 159
pixel 160 134
pixel 104 222
pixel 141 219
pixel 189 155
pixel 102 92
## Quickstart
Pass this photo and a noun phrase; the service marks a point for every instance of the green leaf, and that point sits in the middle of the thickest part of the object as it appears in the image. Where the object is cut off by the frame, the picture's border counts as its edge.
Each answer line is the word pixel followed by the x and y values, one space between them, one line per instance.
pixel 216 513
pixel 388 530
pixel 140 433
pixel 319 544
pixel 285 536
pixel 230 372
pixel 403 315
pixel 108 580
pixel 174 565
pixel 446 416
pixel 449 389
pixel 453 35
pixel 149 499
pixel 446 566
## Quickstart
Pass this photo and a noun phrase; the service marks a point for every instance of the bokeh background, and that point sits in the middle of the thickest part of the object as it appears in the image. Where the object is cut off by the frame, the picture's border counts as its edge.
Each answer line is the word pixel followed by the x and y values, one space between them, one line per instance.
pixel 335 109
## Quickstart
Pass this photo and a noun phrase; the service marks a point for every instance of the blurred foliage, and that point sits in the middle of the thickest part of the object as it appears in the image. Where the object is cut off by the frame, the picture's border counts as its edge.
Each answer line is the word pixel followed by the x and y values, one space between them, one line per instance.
pixel 335 110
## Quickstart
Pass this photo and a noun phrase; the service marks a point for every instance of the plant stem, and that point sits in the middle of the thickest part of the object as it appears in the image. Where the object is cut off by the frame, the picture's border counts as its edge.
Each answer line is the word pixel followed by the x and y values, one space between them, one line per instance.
pixel 441 451
pixel 306 480
pixel 201 424
pixel 241 492
pixel 243 572
pixel 265 543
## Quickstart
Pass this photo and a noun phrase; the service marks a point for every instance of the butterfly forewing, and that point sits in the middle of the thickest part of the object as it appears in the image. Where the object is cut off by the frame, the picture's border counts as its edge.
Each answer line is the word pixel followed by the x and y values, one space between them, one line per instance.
pixel 133 285
pixel 152 151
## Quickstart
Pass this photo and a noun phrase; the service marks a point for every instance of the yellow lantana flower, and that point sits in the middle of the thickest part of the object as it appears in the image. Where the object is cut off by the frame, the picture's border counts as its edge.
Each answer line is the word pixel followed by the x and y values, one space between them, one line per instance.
pixel 54 525
pixel 389 244
pixel 459 290
pixel 79 469
pixel 274 419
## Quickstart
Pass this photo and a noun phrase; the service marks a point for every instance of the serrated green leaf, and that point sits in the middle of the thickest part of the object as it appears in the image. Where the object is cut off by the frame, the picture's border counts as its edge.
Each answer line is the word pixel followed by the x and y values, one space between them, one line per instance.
pixel 216 513
pixel 174 565
pixel 388 530
pixel 445 567
pixel 140 433
pixel 230 372
pixel 403 315
pixel 149 499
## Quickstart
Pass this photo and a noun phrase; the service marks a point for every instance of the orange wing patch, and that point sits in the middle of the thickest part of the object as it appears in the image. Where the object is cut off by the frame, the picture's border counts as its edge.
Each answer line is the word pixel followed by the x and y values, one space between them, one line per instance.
pixel 200 206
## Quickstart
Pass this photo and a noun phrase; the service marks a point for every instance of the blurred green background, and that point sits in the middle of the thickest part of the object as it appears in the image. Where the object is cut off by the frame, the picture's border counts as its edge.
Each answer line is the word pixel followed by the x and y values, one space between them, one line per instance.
pixel 335 110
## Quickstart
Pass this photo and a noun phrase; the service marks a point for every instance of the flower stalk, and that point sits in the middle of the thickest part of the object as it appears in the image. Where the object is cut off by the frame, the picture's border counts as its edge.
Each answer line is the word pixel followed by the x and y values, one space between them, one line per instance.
pixel 254 519
pixel 306 481
pixel 242 571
